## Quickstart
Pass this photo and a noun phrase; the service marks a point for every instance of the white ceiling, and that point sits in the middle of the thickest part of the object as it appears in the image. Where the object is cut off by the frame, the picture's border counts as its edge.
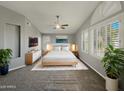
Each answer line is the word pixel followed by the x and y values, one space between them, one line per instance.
pixel 43 13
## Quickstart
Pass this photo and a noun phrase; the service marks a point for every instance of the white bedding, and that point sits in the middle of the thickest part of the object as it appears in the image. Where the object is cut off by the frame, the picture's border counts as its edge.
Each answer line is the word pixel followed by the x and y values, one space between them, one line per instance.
pixel 59 55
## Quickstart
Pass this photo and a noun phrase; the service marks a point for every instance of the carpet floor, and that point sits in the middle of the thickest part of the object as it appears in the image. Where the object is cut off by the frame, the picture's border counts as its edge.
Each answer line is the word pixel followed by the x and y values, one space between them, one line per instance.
pixel 26 80
pixel 39 67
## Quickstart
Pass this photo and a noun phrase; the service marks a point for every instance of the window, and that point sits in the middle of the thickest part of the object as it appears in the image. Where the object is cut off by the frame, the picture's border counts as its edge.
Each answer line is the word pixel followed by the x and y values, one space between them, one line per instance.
pixel 101 42
pixel 95 39
pixel 101 36
pixel 84 41
pixel 95 42
pixel 115 34
pixel 91 33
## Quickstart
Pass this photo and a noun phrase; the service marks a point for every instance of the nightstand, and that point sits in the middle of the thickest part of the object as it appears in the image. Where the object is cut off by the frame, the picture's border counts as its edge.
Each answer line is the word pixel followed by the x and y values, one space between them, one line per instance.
pixel 44 53
pixel 76 53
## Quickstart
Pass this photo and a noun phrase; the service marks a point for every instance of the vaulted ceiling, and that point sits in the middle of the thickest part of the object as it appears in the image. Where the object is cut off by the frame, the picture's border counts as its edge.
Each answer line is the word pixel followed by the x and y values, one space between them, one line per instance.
pixel 43 13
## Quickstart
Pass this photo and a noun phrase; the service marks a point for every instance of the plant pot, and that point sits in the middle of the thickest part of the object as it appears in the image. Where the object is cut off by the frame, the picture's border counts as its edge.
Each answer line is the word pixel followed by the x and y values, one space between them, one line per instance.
pixel 111 84
pixel 4 70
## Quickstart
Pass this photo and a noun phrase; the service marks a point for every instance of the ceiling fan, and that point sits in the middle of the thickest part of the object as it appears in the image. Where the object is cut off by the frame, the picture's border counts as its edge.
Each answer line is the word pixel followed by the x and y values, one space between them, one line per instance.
pixel 58 25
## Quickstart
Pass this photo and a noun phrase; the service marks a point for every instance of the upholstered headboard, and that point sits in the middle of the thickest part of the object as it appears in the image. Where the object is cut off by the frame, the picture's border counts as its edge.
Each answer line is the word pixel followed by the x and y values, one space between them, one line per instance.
pixel 61 46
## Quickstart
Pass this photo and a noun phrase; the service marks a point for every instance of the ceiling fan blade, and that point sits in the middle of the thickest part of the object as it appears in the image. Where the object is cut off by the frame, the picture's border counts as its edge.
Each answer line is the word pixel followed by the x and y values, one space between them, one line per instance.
pixel 65 25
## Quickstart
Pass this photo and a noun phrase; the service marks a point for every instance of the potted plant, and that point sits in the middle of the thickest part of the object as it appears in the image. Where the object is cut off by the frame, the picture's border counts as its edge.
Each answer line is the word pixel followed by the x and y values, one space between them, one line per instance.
pixel 5 56
pixel 113 62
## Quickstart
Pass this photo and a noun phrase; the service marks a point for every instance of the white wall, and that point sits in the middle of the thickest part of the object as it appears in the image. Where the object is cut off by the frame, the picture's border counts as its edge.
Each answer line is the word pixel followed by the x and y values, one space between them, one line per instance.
pixel 7 16
pixel 52 37
pixel 31 31
pixel 11 17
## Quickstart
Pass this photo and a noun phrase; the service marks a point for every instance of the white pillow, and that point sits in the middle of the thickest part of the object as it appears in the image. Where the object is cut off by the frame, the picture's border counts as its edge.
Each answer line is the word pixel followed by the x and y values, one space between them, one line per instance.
pixel 65 48
pixel 57 48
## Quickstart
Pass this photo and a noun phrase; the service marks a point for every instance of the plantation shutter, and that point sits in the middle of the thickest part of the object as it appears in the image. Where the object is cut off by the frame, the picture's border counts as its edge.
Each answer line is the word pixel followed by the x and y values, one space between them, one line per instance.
pixel 95 42
pixel 82 42
pixel 91 41
pixel 86 41
pixel 105 35
pixel 115 34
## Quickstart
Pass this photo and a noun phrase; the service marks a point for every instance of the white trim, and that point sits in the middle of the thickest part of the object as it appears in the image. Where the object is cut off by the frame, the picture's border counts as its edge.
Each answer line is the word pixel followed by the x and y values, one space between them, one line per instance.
pixel 17 68
pixel 93 69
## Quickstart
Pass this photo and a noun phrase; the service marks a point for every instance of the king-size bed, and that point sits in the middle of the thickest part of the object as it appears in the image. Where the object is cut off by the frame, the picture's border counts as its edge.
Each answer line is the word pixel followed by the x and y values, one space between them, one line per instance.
pixel 59 57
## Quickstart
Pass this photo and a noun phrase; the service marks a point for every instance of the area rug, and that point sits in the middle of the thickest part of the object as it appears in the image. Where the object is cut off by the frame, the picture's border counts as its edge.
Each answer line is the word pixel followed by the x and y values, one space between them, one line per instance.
pixel 79 66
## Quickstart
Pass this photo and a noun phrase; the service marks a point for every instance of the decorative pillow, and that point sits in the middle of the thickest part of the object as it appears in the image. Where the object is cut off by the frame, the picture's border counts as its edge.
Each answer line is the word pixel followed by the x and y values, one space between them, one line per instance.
pixel 57 48
pixel 65 48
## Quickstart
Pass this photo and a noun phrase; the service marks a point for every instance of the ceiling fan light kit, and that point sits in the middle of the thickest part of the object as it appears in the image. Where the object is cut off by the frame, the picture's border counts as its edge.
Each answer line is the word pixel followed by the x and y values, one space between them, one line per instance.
pixel 58 26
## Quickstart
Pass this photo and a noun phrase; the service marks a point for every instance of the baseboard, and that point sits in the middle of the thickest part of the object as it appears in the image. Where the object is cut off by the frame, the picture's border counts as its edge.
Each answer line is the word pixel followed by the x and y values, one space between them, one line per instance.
pixel 92 68
pixel 17 68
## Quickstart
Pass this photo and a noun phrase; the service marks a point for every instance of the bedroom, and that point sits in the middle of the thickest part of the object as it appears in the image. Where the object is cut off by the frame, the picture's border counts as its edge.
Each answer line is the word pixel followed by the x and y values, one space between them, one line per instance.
pixel 58 45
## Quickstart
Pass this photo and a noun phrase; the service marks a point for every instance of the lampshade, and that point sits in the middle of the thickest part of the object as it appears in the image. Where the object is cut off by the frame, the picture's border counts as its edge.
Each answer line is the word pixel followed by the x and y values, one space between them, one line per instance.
pixel 73 47
pixel 48 47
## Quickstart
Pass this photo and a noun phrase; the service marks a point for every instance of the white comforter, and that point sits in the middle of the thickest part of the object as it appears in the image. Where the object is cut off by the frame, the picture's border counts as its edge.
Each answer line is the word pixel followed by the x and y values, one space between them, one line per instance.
pixel 59 55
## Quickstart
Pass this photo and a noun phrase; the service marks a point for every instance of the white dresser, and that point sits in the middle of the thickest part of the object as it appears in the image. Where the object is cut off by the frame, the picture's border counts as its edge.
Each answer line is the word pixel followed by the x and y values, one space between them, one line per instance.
pixel 32 57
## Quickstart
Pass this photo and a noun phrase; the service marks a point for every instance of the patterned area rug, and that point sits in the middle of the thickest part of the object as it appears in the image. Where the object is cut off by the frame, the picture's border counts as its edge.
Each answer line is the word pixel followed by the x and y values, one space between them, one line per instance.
pixel 39 67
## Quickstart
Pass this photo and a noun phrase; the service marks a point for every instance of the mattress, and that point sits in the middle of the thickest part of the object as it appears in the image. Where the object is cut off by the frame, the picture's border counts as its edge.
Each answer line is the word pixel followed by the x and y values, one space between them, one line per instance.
pixel 59 58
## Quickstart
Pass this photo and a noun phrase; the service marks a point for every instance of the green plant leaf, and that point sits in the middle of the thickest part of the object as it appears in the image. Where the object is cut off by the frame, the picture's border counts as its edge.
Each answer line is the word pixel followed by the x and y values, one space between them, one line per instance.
pixel 113 61
pixel 5 56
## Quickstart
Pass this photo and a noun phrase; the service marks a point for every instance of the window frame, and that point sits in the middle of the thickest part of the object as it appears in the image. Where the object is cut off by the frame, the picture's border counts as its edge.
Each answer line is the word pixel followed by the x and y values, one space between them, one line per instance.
pixel 104 24
pixel 83 49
